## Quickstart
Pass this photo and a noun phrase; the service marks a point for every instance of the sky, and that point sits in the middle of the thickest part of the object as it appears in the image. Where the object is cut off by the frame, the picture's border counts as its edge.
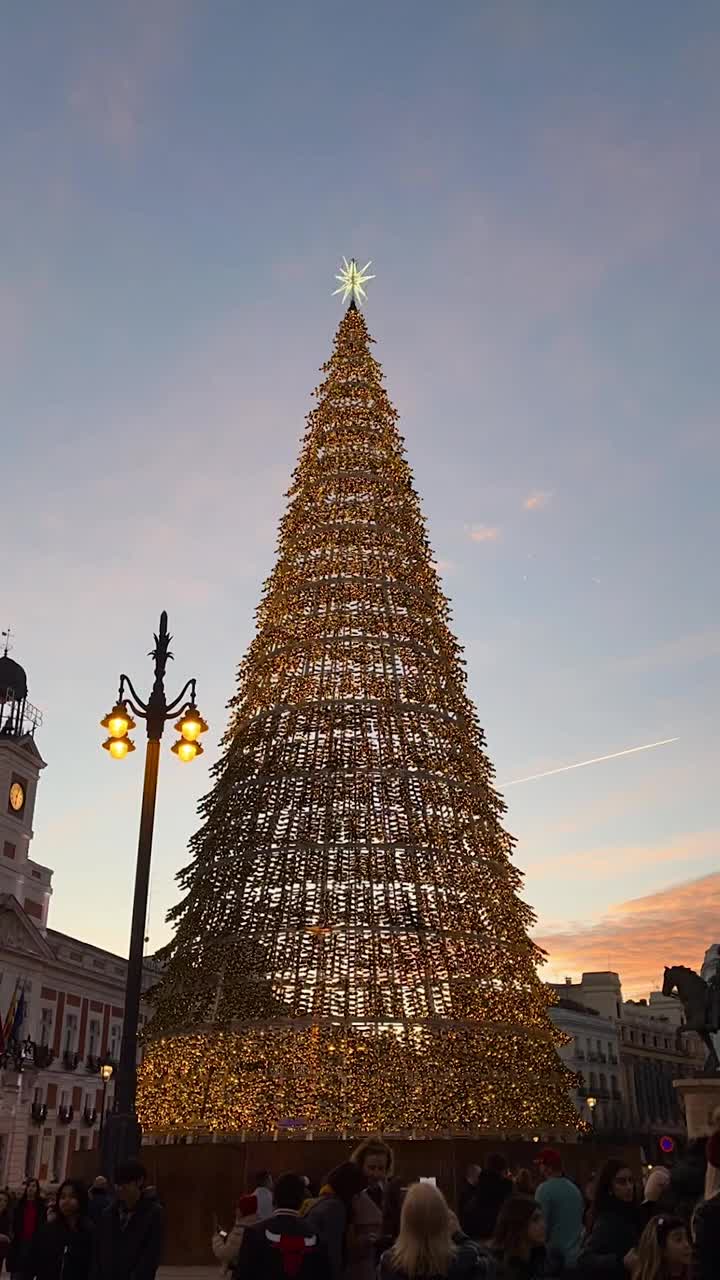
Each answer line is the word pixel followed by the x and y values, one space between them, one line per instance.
pixel 538 187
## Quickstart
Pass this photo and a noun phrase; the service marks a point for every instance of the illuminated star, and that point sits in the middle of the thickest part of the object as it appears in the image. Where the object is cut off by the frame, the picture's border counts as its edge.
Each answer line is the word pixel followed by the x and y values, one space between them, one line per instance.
pixel 352 278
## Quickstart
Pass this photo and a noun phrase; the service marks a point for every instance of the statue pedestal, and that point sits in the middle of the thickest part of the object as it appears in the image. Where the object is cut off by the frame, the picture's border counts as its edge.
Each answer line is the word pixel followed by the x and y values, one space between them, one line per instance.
pixel 700 1097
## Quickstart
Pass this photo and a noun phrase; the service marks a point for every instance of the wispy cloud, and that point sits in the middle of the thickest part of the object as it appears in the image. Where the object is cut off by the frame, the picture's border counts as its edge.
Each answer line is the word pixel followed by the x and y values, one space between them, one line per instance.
pixel 639 937
pixel 538 499
pixel 484 532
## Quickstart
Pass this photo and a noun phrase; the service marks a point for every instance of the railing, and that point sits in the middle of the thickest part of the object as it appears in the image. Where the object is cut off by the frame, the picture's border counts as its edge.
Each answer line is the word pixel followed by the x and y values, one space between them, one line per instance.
pixel 65 1114
pixel 38 1112
pixel 90 1115
pixel 70 1060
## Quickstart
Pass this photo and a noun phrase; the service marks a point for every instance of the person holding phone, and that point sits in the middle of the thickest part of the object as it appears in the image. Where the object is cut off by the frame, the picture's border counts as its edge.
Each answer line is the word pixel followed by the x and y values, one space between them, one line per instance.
pixel 226 1244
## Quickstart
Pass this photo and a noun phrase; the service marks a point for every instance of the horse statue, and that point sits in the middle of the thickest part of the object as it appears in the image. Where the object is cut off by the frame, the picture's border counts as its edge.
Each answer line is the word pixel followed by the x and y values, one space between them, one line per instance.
pixel 701 1002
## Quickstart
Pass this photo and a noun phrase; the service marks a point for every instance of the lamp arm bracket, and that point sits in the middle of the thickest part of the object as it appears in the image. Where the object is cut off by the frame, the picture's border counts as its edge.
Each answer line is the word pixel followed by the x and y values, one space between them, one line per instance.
pixel 174 706
pixel 141 707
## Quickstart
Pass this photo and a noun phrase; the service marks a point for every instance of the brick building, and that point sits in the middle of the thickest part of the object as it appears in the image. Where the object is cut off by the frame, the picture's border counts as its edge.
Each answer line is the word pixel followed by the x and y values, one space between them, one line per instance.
pixel 61 999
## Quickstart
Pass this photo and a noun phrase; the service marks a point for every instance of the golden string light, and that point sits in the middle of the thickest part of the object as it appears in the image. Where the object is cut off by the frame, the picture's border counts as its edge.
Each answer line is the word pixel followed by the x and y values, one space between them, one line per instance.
pixel 351 951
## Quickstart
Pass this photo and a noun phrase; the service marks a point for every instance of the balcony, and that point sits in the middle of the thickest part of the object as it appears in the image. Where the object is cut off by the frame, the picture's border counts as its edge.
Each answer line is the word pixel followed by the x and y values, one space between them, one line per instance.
pixel 65 1114
pixel 89 1116
pixel 70 1060
pixel 580 1055
pixel 38 1113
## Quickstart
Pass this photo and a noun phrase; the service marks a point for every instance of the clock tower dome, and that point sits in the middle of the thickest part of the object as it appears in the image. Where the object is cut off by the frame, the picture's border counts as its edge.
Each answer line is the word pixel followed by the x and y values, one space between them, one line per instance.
pixel 20 766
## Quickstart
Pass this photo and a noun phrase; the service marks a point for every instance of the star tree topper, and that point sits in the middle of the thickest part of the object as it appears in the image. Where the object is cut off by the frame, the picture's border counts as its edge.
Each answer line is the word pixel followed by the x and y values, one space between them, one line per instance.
pixel 352 278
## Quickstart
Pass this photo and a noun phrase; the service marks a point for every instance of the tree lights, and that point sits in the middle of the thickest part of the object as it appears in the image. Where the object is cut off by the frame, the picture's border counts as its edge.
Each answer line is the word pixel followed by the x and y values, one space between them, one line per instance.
pixel 350 946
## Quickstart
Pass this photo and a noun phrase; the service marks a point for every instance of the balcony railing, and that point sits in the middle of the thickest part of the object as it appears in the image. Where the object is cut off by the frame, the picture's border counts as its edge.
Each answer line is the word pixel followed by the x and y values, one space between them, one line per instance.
pixel 38 1113
pixel 65 1114
pixel 71 1060
pixel 90 1115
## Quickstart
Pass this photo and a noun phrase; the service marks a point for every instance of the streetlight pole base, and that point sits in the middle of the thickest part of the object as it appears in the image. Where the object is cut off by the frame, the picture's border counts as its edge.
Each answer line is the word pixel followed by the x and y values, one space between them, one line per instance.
pixel 121 1140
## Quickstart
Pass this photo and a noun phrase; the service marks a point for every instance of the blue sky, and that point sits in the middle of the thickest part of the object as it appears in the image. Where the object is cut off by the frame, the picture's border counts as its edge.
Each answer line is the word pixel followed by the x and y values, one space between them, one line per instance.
pixel 539 189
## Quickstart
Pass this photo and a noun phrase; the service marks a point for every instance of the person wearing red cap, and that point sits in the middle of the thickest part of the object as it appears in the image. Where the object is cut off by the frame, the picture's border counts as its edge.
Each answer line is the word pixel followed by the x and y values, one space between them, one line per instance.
pixel 226 1246
pixel 562 1205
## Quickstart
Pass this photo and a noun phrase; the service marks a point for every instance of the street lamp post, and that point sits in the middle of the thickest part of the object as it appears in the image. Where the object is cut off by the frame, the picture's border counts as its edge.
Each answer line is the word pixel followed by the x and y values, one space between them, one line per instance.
pixel 121 1135
pixel 106 1070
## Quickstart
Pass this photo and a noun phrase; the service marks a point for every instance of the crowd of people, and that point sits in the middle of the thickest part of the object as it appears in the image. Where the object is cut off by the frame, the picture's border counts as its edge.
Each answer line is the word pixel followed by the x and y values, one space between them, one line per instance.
pixel 363 1224
pixel 81 1234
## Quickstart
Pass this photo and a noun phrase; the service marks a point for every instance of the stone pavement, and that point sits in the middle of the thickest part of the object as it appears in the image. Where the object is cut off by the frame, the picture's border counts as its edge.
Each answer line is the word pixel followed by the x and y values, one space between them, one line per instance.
pixel 188 1273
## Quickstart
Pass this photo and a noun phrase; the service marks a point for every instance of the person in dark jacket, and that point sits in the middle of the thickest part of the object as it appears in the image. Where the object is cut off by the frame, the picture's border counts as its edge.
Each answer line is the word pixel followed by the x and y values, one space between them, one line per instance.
pixel 332 1213
pixel 616 1225
pixel 28 1219
pixel 493 1188
pixel 99 1199
pixel 62 1249
pixel 706 1240
pixel 518 1246
pixel 130 1235
pixel 284 1246
pixel 6 1225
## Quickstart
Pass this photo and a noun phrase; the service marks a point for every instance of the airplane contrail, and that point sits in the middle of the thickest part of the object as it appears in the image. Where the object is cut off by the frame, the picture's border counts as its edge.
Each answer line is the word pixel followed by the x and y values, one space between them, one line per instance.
pixel 564 768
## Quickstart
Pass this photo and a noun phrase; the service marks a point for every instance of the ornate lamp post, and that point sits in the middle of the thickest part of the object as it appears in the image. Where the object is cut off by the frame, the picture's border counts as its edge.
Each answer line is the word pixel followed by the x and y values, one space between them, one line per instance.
pixel 121 1133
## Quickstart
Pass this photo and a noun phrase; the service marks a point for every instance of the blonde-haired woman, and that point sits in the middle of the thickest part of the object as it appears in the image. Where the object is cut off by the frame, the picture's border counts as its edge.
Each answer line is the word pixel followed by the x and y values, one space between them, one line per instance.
pixel 425 1247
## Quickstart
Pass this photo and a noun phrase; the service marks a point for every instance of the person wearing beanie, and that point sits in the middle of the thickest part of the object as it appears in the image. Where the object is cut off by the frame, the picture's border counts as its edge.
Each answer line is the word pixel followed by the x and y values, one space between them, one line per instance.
pixel 226 1247
pixel 563 1208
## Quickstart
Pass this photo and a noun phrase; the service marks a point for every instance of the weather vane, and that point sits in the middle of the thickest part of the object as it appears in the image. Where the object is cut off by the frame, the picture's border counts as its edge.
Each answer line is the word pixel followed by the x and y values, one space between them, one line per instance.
pixel 352 278
pixel 7 635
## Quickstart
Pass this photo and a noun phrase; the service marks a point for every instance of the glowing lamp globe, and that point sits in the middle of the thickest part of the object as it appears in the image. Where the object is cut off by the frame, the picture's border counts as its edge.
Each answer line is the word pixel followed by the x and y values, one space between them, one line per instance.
pixel 118 722
pixel 191 724
pixel 119 747
pixel 187 751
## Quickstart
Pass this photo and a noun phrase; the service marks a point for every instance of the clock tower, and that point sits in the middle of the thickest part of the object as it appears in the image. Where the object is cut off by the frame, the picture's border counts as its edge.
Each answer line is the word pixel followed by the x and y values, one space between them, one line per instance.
pixel 20 766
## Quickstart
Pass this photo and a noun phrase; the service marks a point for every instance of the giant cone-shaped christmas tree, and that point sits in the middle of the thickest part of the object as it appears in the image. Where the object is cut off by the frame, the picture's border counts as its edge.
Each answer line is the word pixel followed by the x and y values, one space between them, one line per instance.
pixel 351 953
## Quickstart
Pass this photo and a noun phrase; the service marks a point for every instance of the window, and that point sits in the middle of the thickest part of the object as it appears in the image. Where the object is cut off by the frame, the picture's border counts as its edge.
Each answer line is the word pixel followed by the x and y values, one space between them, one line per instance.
pixel 115 1041
pixel 9 850
pixel 593 1080
pixel 613 1082
pixel 603 1080
pixel 64 1098
pixel 94 1037
pixel 37 1097
pixel 71 1027
pixel 46 1024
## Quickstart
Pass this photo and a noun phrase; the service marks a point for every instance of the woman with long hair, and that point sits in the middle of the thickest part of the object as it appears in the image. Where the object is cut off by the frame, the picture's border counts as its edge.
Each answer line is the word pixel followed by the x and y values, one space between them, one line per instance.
pixel 374 1159
pixel 616 1222
pixel 518 1245
pixel 425 1248
pixel 62 1249
pixel 332 1215
pixel 28 1219
pixel 664 1252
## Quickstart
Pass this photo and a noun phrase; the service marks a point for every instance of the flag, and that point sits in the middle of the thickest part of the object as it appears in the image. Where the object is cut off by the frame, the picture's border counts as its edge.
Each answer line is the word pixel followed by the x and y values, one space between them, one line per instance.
pixel 10 1015
pixel 19 1017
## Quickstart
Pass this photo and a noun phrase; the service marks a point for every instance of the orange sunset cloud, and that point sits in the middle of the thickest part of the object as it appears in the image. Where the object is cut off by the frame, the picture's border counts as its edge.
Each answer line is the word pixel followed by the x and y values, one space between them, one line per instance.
pixel 639 937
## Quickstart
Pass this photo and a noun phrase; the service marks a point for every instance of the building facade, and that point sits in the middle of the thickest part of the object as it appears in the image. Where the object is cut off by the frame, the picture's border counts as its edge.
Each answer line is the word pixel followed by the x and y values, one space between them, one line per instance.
pixel 593 1054
pixel 61 999
pixel 654 1049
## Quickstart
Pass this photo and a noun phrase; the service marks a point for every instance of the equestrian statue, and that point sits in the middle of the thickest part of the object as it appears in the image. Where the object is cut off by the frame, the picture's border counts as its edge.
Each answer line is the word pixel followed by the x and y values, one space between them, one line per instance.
pixel 701 1002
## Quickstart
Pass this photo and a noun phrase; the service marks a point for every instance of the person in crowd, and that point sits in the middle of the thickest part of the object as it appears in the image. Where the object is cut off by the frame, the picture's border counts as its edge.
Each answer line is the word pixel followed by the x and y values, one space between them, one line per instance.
pixel 99 1198
pixel 6 1225
pixel 374 1158
pixel 664 1252
pixel 62 1249
pixel 425 1246
pixel 284 1246
pixel 129 1238
pixel 524 1183
pixel 563 1207
pixel 263 1193
pixel 519 1247
pixel 656 1195
pixel 28 1218
pixel 493 1188
pixel 616 1223
pixel 687 1179
pixel 466 1191
pixel 332 1215
pixel 706 1218
pixel 226 1244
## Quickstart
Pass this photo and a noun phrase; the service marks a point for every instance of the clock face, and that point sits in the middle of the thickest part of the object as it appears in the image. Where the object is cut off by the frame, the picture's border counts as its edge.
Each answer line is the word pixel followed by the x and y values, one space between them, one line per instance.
pixel 17 796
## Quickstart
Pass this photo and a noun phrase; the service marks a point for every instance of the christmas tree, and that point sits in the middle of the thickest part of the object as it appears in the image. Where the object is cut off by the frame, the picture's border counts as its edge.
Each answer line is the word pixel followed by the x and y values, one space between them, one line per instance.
pixel 351 953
